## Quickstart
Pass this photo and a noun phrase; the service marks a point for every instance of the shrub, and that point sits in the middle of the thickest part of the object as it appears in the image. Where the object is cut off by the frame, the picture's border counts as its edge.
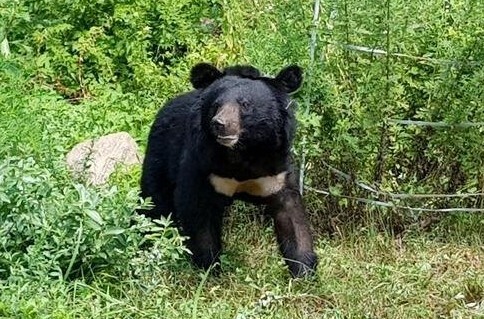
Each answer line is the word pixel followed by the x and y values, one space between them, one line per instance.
pixel 53 229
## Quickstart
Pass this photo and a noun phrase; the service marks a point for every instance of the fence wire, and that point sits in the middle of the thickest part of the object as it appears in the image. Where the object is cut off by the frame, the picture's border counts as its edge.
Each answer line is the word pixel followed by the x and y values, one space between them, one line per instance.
pixel 395 196
pixel 385 198
pixel 396 206
pixel 375 51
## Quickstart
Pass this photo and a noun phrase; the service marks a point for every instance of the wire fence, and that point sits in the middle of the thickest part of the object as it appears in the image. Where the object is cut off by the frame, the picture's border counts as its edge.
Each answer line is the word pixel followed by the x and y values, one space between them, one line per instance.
pixel 395 196
pixel 378 197
pixel 376 51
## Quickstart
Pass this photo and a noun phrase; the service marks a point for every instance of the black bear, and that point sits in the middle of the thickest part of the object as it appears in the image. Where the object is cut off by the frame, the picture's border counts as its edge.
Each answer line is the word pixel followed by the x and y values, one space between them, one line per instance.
pixel 228 139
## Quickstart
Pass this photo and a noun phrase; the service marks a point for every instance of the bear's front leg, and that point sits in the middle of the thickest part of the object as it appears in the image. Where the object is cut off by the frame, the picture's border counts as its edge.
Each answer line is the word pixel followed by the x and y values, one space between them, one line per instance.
pixel 200 212
pixel 292 230
pixel 205 242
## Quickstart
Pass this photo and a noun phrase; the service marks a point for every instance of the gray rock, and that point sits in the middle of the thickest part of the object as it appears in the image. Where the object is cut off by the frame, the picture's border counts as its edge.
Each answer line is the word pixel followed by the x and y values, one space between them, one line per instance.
pixel 96 159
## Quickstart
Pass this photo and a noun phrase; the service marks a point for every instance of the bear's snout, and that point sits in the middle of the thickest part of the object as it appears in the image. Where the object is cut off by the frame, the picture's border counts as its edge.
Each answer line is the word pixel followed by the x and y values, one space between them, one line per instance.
pixel 225 125
pixel 218 126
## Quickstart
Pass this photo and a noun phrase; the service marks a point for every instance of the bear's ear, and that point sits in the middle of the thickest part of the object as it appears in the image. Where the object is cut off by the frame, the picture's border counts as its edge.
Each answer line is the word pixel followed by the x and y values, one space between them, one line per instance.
pixel 204 74
pixel 290 78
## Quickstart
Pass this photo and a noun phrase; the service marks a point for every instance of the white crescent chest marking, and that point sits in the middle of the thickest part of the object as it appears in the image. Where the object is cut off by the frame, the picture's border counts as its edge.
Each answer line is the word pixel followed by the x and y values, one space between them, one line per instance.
pixel 262 186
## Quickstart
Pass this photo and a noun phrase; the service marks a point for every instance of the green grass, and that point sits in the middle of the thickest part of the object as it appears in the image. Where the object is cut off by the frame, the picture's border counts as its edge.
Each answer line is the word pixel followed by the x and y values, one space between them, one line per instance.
pixel 362 276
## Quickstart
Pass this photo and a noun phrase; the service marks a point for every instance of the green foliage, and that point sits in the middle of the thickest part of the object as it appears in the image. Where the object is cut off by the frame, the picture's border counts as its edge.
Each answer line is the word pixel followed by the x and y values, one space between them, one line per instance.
pixel 52 229
pixel 81 69
pixel 79 44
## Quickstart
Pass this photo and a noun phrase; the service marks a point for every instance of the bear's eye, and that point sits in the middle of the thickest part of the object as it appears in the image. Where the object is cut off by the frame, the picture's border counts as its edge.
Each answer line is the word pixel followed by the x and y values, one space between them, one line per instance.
pixel 215 106
pixel 244 104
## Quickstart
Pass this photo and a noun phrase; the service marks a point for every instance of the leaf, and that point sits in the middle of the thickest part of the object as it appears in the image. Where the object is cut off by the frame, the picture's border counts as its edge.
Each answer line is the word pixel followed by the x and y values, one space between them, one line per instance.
pixel 334 190
pixel 4 198
pixel 114 231
pixel 4 47
pixel 94 215
pixel 29 179
pixel 93 225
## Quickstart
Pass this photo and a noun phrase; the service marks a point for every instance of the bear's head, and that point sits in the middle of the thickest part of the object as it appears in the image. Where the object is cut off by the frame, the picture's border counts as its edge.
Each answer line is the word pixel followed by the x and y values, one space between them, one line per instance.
pixel 242 109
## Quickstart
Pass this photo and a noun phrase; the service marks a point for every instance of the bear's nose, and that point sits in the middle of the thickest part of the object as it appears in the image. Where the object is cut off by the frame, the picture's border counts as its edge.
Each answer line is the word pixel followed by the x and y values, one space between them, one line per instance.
pixel 218 126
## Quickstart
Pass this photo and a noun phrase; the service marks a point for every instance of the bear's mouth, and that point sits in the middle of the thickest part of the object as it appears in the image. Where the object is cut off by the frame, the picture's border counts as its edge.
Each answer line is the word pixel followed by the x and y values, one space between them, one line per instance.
pixel 228 140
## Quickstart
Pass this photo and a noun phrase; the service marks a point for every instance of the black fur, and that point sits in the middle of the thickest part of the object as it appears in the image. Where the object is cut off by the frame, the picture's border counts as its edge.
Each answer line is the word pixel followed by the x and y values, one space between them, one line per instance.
pixel 182 153
pixel 244 71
